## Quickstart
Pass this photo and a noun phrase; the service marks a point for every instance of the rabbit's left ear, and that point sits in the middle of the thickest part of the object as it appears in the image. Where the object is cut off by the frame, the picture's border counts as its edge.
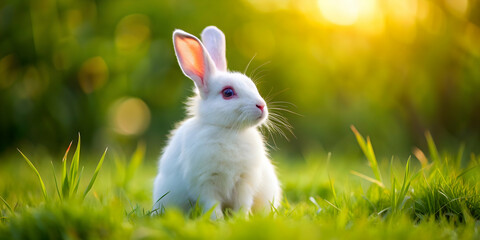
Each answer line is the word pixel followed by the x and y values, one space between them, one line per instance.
pixel 214 41
pixel 193 59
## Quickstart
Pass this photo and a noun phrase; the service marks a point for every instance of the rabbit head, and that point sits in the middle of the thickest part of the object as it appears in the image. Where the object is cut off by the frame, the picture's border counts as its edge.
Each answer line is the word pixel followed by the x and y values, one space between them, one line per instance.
pixel 226 99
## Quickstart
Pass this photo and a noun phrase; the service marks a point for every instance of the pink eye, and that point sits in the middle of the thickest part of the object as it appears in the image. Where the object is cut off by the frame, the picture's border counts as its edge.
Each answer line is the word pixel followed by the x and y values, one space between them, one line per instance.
pixel 228 93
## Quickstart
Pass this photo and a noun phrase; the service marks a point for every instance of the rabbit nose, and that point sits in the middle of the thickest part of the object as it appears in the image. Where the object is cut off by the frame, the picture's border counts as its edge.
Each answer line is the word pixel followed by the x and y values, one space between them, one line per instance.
pixel 260 106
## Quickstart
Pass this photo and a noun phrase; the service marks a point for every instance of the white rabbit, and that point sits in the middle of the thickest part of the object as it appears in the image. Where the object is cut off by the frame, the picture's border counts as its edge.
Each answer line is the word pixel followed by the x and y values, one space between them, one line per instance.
pixel 217 155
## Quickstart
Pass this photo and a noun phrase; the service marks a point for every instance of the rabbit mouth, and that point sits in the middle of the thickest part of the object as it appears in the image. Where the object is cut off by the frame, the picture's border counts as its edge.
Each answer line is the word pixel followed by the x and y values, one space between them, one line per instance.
pixel 254 119
pixel 262 117
pixel 249 117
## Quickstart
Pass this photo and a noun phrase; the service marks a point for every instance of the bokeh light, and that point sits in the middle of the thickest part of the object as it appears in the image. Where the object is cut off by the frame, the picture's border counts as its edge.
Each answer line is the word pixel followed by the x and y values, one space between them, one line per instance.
pixel 33 83
pixel 93 74
pixel 130 116
pixel 131 32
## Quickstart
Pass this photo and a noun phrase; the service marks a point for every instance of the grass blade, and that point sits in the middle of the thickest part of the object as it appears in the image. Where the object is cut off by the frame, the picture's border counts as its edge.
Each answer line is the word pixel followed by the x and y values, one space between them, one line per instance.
pixel 332 188
pixel 466 171
pixel 64 160
pixel 135 162
pixel 431 147
pixel 373 160
pixel 94 177
pixel 77 183
pixel 65 183
pixel 65 187
pixel 394 194
pixel 360 140
pixel 473 159
pixel 56 183
pixel 155 211
pixel 405 177
pixel 44 191
pixel 405 186
pixel 421 157
pixel 333 205
pixel 8 205
pixel 372 180
pixel 368 152
pixel 74 167
pixel 458 160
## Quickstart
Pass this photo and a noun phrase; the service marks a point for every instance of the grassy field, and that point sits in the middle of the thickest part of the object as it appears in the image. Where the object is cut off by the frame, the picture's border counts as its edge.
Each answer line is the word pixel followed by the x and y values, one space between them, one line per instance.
pixel 432 195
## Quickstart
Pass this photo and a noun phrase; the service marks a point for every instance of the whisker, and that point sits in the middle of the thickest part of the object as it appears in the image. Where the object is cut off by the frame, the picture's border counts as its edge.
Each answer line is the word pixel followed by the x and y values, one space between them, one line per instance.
pixel 268 98
pixel 285 110
pixel 267 128
pixel 270 105
pixel 271 136
pixel 280 131
pixel 260 77
pixel 248 64
pixel 277 128
pixel 283 121
pixel 273 113
pixel 289 103
pixel 277 123
pixel 255 70
pixel 279 92
pixel 258 74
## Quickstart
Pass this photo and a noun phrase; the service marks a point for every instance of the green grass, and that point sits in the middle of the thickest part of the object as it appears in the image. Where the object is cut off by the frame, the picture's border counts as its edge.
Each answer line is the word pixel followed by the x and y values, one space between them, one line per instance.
pixel 326 197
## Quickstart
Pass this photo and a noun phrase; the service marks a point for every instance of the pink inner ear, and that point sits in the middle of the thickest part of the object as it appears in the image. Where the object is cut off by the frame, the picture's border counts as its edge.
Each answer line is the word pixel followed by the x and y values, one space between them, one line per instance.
pixel 190 54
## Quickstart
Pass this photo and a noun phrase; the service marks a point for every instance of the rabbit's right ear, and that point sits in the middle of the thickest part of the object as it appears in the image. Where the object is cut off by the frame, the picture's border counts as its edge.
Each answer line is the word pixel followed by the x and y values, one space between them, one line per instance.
pixel 193 59
pixel 214 41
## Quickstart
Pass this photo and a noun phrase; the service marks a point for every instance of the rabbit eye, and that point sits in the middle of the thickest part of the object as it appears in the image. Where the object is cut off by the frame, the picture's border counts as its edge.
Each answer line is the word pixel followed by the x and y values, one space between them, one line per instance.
pixel 228 93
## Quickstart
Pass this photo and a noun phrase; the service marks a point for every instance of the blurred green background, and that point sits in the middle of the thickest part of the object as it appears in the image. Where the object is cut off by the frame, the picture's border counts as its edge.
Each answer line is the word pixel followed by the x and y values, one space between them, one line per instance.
pixel 107 69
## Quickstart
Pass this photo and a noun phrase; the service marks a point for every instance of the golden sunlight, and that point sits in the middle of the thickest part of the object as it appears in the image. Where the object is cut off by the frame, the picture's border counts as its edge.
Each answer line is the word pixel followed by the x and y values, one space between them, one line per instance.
pixel 340 12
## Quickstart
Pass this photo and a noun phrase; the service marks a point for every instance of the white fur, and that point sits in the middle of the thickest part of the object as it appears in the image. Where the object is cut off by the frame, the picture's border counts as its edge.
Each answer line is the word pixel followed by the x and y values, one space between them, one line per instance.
pixel 217 155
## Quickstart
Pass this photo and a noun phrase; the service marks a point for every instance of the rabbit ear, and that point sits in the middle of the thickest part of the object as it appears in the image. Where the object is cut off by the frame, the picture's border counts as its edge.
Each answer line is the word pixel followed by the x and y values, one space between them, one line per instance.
pixel 193 59
pixel 214 41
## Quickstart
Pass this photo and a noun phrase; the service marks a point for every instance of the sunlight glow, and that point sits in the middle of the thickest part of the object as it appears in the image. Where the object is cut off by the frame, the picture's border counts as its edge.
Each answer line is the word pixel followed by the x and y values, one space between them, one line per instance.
pixel 340 12
pixel 371 18
pixel 402 16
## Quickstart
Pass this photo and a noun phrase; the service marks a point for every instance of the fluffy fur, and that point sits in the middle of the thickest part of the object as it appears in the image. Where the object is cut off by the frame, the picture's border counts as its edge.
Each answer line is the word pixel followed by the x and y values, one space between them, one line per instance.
pixel 217 155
